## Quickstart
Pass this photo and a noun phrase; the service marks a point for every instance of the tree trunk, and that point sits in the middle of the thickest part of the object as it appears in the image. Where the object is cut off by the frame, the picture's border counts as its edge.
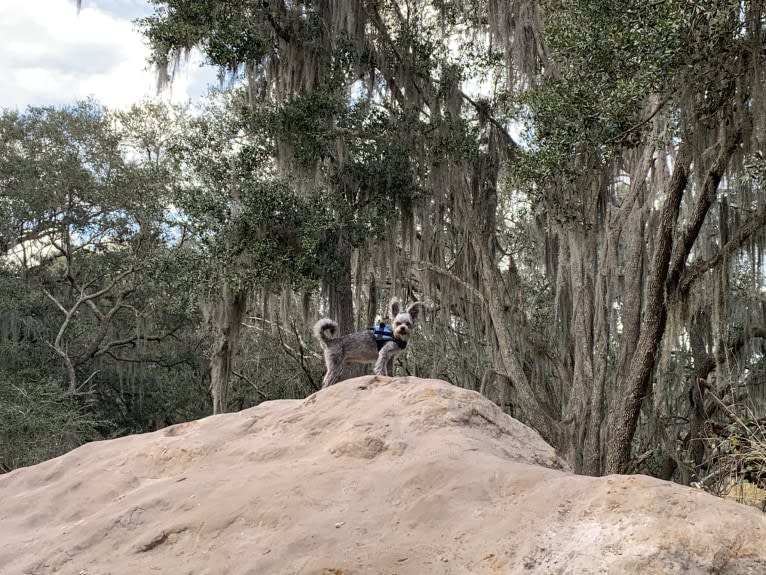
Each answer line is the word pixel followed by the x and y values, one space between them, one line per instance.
pixel 631 390
pixel 589 254
pixel 593 446
pixel 667 267
pixel 224 317
pixel 703 364
pixel 529 405
pixel 577 413
pixel 342 300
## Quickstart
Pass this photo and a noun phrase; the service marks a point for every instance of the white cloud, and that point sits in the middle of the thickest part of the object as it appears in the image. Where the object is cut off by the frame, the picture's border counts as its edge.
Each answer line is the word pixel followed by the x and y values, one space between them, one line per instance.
pixel 51 55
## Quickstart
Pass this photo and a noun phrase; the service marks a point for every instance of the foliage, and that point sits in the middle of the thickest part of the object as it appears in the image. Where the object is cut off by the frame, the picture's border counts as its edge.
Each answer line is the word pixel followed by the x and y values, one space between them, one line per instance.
pixel 39 420
pixel 599 279
pixel 608 57
pixel 555 272
pixel 234 206
pixel 98 338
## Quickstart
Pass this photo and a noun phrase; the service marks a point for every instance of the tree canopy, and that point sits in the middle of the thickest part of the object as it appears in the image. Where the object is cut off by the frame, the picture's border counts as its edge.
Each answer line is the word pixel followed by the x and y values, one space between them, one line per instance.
pixel 573 189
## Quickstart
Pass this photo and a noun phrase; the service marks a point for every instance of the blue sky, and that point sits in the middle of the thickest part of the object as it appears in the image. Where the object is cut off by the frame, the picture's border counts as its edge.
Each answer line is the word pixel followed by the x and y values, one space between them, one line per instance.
pixel 51 55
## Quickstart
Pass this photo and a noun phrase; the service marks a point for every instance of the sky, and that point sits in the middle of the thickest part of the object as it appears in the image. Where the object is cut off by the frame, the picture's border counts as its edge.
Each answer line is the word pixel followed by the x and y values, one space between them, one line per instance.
pixel 52 55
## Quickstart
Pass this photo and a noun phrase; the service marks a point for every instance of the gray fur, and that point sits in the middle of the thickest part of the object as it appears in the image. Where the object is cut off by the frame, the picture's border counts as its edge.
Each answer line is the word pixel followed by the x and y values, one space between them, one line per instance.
pixel 360 347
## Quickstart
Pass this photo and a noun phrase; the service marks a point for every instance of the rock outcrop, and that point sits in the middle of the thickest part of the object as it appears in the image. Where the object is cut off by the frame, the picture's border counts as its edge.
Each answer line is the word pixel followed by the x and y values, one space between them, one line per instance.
pixel 371 476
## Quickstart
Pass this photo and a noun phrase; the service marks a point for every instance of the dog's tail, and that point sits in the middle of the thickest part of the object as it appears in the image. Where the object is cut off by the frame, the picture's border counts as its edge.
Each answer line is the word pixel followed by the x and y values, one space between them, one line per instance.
pixel 321 328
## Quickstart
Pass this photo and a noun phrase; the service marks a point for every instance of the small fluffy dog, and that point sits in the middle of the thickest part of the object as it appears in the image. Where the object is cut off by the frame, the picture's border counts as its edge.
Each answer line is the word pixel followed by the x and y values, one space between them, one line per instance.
pixel 363 346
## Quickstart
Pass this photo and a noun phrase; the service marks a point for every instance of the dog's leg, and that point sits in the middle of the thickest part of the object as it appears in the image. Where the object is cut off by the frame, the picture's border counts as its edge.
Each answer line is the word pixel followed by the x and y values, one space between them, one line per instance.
pixel 332 375
pixel 384 365
pixel 334 360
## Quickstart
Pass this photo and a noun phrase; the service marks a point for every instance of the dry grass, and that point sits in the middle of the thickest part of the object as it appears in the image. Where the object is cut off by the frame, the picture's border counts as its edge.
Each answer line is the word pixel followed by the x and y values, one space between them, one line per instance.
pixel 747 493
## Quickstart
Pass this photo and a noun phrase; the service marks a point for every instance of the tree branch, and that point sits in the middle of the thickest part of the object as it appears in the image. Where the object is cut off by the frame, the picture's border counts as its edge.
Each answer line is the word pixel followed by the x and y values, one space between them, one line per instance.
pixel 643 122
pixel 302 359
pixel 709 190
pixel 492 120
pixel 125 341
pixel 255 387
pixel 166 365
pixel 449 275
pixel 111 285
pixel 105 320
pixel 697 269
pixel 55 301
pixel 380 26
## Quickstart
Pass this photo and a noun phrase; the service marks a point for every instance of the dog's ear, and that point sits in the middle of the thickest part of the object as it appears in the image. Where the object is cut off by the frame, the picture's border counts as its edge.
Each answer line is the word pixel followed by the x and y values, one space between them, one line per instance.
pixel 395 308
pixel 414 310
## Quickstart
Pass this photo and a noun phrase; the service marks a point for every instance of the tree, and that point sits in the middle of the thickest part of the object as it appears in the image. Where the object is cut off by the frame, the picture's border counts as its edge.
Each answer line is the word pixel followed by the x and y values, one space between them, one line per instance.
pixel 249 228
pixel 573 266
pixel 91 320
pixel 663 125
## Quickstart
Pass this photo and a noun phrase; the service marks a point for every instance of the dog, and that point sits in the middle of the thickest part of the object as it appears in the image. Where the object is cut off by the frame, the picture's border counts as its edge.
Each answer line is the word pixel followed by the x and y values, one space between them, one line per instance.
pixel 363 346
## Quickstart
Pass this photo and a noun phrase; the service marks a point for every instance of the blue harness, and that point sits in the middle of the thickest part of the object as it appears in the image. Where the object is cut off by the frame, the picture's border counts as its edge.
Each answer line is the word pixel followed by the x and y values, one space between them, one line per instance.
pixel 383 335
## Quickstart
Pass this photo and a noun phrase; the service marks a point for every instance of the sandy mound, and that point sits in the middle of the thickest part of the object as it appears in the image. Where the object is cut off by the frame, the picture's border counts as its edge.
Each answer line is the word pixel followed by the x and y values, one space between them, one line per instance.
pixel 373 475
